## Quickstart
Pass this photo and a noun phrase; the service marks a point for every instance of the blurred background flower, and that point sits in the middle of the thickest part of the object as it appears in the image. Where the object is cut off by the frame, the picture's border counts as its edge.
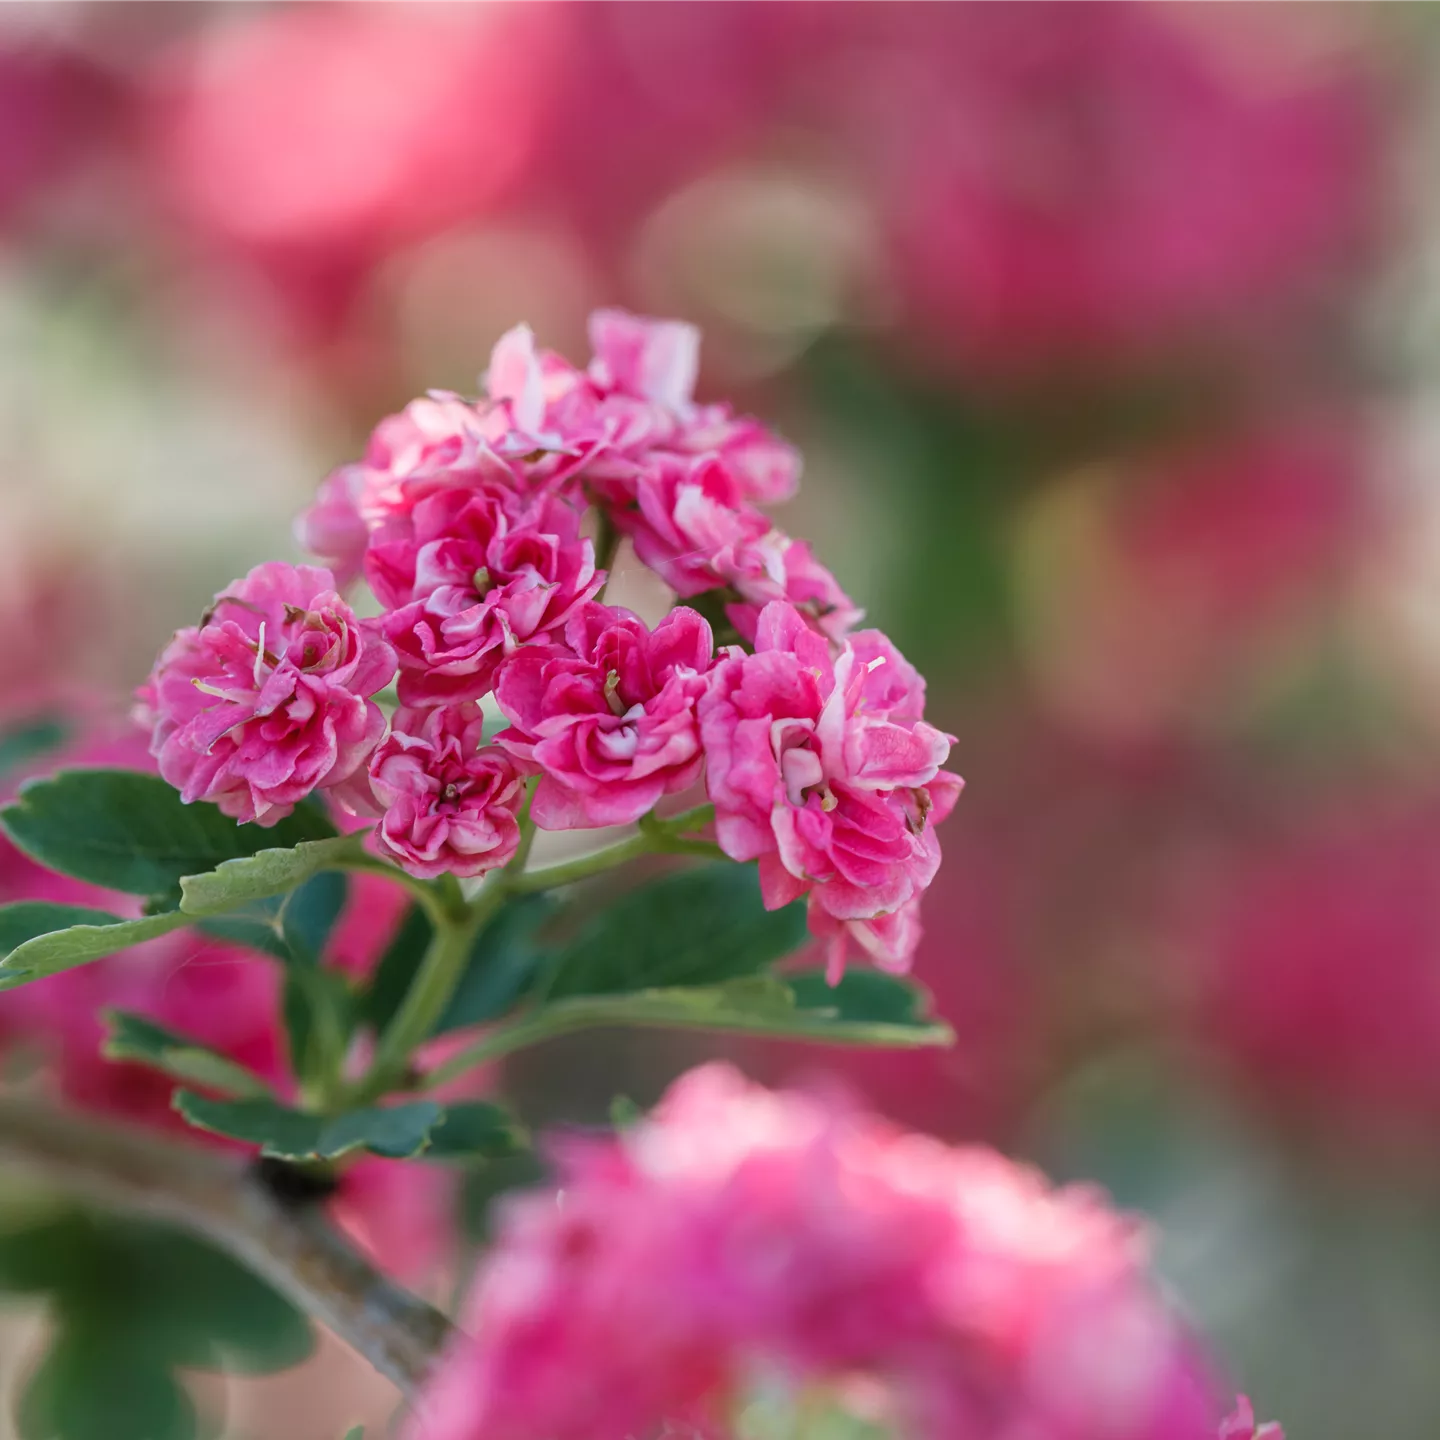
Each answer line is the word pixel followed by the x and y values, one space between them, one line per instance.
pixel 1107 331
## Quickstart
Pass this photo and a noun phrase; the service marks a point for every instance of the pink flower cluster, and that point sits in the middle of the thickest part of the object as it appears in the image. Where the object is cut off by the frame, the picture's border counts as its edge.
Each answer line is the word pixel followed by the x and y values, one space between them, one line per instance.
pixel 469 523
pixel 742 1247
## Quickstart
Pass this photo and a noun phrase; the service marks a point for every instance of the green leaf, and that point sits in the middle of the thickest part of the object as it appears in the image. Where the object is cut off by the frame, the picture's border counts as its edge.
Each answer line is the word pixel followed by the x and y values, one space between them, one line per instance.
pixel 376 1007
pixel 128 831
pixel 395 1132
pixel 39 939
pixel 233 883
pixel 309 915
pixel 697 927
pixel 252 929
pixel 72 1394
pixel 865 997
pixel 135 1038
pixel 355 1432
pixel 502 965
pixel 317 1008
pixel 475 1130
pixel 28 741
pixel 131 1302
pixel 764 1005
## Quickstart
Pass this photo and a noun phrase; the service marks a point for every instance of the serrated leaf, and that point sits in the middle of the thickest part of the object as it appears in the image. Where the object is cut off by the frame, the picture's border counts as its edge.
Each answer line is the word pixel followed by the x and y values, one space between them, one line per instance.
pixel 396 1132
pixel 760 1005
pixel 698 927
pixel 128 831
pixel 26 742
pixel 271 871
pixel 140 1040
pixel 476 1130
pixel 39 939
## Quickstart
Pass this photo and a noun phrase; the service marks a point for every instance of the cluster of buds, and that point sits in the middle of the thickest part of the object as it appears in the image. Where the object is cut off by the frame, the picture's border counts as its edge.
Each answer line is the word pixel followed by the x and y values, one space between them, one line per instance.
pixel 476 526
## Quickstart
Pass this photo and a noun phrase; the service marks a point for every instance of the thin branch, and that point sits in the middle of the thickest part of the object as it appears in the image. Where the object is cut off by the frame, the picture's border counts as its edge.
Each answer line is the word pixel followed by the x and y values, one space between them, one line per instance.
pixel 223 1199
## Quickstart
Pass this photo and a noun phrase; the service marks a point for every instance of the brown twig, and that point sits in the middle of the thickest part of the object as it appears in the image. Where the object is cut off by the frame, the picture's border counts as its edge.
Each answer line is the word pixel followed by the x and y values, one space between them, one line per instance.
pixel 287 1242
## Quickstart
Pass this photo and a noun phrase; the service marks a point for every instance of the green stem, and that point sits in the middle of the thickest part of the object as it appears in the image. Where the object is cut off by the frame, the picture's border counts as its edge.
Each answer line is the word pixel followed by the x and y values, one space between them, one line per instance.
pixel 457 923
pixel 568 872
pixel 607 541
pixel 654 837
pixel 688 821
pixel 527 1031
pixel 428 995
pixel 438 898
pixel 517 862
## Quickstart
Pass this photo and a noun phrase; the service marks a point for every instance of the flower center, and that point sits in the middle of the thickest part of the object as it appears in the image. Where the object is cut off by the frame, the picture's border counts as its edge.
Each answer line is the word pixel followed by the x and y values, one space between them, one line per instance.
pixel 612 693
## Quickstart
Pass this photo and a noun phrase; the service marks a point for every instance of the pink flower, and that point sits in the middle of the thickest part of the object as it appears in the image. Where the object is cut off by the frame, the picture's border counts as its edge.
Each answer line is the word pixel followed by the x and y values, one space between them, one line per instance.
pixel 691 523
pixel 470 574
pixel 611 720
pixel 435 441
pixel 740 1246
pixel 451 801
pixel 267 699
pixel 824 770
pixel 655 360
pixel 632 405
pixel 1240 1424
pixel 692 526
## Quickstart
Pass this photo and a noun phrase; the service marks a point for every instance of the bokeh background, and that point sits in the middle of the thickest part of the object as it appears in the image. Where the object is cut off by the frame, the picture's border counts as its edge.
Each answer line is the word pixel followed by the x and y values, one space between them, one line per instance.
pixel 1111 334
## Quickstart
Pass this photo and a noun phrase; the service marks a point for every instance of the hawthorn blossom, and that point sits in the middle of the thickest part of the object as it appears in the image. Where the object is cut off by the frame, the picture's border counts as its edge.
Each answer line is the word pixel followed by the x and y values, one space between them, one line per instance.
pixel 690 522
pixel 468 575
pixel 436 440
pixel 822 768
pixel 267 699
pixel 609 720
pixel 741 1247
pixel 450 801
pixel 631 406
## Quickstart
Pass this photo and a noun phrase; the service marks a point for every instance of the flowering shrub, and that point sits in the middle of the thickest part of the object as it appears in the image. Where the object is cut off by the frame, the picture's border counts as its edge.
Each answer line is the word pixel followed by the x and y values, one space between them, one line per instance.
pixel 736 1251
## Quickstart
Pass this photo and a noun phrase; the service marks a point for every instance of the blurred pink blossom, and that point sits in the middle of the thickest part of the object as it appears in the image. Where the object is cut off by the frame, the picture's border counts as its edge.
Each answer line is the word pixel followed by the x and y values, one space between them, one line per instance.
pixel 739 1242
pixel 1061 181
pixel 314 141
pixel 1311 961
